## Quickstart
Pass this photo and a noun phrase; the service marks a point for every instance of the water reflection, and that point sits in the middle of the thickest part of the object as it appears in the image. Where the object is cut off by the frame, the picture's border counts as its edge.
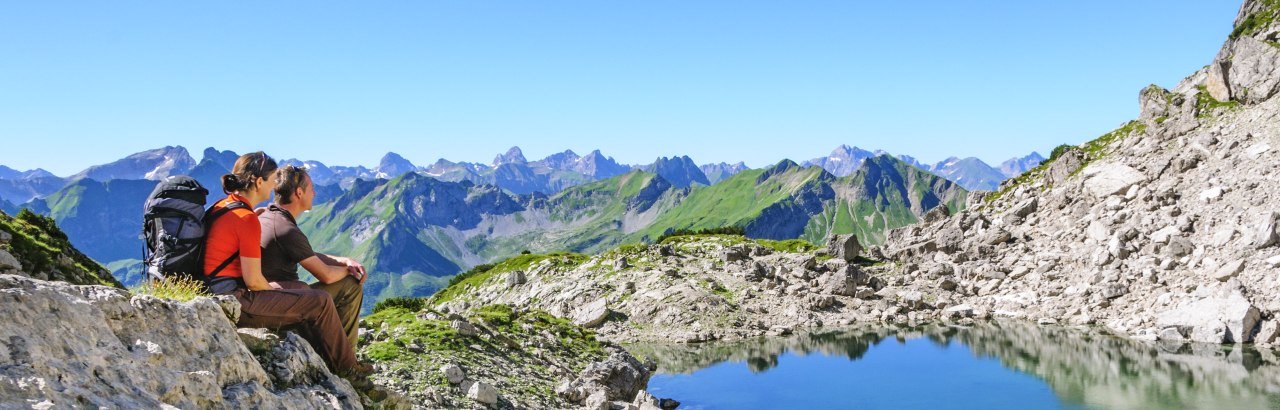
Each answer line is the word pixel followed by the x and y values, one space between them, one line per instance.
pixel 1082 368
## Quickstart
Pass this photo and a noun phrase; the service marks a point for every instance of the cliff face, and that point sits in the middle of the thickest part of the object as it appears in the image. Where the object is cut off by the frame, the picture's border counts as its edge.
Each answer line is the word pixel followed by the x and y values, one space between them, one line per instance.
pixel 1165 228
pixel 94 346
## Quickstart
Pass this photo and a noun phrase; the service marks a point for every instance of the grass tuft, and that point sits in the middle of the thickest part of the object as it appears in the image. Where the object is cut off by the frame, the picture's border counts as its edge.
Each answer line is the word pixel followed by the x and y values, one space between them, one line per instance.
pixel 172 288
pixel 411 304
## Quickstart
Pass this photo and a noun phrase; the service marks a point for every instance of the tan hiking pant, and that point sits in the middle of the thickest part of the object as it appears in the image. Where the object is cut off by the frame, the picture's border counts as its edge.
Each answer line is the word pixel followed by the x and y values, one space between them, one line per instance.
pixel 347 295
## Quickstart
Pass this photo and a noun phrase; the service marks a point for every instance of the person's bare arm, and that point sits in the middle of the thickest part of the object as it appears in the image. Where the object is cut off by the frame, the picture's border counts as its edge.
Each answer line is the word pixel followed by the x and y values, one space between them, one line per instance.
pixel 324 271
pixel 352 267
pixel 251 269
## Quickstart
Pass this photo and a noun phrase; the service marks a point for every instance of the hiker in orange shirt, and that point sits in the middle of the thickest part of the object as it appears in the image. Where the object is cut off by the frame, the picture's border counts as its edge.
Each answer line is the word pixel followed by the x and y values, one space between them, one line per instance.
pixel 233 266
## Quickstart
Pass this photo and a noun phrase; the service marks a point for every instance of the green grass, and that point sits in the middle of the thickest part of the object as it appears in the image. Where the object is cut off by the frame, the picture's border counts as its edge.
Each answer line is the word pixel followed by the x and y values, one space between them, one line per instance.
pixel 37 242
pixel 726 230
pixel 474 278
pixel 438 336
pixel 172 288
pixel 1058 151
pixel 1207 106
pixel 1254 23
pixel 407 303
pixel 408 328
pixel 734 201
pixel 789 245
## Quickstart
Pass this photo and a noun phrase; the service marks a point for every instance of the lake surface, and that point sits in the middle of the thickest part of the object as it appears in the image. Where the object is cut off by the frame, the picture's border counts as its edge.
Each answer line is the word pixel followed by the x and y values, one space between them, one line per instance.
pixel 987 366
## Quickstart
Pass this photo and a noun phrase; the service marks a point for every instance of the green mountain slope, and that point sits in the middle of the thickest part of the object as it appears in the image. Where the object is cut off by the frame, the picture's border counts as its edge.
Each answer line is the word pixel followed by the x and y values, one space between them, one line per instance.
pixel 412 230
pixel 45 253
pixel 103 219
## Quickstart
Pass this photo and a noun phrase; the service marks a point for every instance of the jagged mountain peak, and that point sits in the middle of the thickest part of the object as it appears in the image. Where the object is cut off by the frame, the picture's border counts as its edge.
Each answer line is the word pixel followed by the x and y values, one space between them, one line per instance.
pixel 970 172
pixel 155 164
pixel 679 171
pixel 718 172
pixel 393 165
pixel 512 156
pixel 10 173
pixel 842 161
pixel 1016 166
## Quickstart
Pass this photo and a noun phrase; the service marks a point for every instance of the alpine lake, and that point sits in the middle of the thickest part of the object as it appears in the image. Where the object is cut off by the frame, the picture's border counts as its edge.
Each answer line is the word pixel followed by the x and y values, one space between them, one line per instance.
pixel 995 365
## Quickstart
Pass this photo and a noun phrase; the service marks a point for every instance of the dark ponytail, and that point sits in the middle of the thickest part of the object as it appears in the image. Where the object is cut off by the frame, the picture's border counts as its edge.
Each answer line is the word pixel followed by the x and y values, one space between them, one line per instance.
pixel 249 167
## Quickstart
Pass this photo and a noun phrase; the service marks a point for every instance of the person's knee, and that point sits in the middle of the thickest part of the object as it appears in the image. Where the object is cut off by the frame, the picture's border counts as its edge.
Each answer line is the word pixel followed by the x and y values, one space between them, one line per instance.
pixel 351 286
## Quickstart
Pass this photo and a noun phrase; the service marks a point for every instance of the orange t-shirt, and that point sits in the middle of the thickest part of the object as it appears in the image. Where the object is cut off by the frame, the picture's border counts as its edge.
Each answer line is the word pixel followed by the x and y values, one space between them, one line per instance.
pixel 237 230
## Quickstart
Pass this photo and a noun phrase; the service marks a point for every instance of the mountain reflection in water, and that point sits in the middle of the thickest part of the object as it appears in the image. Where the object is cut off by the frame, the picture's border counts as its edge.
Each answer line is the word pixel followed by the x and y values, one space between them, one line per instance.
pixel 1083 370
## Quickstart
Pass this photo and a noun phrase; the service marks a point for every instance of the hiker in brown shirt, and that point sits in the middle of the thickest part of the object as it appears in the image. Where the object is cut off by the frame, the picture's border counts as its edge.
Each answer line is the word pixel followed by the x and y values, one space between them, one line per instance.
pixel 284 247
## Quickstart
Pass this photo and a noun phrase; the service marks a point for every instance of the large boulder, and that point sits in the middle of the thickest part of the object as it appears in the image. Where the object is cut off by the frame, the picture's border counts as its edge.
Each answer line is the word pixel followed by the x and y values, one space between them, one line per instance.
pixel 97 346
pixel 483 393
pixel 620 376
pixel 1106 179
pixel 843 281
pixel 1254 69
pixel 1265 230
pixel 1064 166
pixel 8 263
pixel 1226 317
pixel 844 247
pixel 593 314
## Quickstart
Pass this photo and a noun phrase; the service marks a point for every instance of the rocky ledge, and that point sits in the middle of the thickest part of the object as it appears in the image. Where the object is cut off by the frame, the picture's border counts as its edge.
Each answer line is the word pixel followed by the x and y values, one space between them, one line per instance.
pixel 64 345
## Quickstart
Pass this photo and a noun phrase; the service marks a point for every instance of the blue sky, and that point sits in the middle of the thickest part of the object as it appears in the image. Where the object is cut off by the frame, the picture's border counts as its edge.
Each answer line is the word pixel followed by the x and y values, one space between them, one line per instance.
pixel 344 82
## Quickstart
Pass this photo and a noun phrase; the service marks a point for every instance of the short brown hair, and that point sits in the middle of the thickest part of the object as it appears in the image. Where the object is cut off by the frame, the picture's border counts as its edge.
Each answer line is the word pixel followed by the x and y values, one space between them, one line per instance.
pixel 289 179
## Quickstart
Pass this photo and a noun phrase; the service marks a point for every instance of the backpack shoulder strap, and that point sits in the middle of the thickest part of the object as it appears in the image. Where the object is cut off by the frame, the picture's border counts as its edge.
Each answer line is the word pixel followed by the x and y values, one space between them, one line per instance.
pixel 231 206
pixel 208 222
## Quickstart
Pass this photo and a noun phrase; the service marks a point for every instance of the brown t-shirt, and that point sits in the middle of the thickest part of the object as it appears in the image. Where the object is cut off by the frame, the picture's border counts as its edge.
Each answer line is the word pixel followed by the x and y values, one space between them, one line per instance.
pixel 283 245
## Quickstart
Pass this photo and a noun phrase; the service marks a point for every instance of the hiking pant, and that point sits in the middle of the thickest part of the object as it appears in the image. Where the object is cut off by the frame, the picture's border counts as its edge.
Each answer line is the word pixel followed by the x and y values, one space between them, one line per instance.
pixel 347 295
pixel 309 311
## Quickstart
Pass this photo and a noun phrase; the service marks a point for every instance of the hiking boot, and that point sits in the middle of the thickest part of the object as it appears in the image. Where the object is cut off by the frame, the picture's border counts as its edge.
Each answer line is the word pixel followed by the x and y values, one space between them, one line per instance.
pixel 361 370
pixel 358 375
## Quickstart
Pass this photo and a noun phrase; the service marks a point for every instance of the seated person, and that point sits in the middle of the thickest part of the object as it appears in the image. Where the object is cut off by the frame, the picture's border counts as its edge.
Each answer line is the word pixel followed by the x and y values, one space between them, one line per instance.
pixel 284 247
pixel 233 266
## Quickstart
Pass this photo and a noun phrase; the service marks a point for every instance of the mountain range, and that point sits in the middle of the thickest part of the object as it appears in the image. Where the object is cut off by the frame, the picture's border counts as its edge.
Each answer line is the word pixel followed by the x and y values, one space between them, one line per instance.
pixel 971 173
pixel 510 170
pixel 415 225
pixel 414 228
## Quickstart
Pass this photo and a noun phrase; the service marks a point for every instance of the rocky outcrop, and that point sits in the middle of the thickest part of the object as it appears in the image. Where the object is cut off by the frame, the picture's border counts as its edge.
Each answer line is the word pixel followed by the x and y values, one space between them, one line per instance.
pixel 495 356
pixel 64 345
pixel 33 245
pixel 1159 230
pixel 695 288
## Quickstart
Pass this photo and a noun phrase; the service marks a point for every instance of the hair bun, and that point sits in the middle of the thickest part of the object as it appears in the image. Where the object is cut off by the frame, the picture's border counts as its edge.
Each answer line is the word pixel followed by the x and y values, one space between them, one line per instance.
pixel 231 183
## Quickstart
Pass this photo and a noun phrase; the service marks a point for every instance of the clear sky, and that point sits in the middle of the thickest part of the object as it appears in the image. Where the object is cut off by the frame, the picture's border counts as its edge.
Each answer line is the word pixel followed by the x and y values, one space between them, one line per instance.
pixel 83 83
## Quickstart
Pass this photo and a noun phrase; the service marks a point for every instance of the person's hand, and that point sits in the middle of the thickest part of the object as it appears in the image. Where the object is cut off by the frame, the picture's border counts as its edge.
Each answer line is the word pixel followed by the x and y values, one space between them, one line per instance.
pixel 260 211
pixel 355 269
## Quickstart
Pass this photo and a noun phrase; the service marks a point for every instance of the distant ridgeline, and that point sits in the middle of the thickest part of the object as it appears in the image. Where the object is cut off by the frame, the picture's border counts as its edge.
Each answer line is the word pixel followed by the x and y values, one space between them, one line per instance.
pixel 416 225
